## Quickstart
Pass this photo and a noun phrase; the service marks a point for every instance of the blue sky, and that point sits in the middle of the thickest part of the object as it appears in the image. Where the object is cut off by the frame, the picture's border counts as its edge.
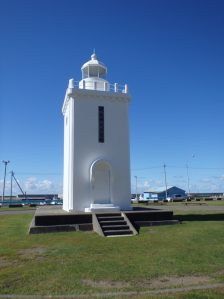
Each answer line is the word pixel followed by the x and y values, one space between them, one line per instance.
pixel 170 53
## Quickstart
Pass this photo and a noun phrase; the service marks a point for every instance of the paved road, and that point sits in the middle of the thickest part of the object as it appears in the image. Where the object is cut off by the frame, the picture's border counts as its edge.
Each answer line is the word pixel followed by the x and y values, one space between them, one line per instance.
pixel 189 207
pixel 15 212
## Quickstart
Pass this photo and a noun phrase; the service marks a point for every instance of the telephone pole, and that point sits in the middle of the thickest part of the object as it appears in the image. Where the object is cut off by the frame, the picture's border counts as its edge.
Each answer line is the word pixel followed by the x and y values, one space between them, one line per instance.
pixel 164 166
pixel 136 185
pixel 11 186
pixel 188 179
pixel 3 193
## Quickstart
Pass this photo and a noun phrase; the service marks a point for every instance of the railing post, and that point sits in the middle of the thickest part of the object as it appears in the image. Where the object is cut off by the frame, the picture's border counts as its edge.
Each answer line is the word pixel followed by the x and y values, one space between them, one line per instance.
pixel 95 85
pixel 83 84
pixel 71 83
pixel 126 88
pixel 115 87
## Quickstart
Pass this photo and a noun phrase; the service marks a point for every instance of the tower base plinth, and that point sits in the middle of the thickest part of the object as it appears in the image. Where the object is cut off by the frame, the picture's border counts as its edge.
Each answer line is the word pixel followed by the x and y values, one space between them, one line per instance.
pixel 102 208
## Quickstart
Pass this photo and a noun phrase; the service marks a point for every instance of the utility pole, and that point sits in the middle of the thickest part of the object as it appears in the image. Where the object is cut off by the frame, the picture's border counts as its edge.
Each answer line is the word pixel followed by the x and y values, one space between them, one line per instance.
pixel 136 185
pixel 188 176
pixel 188 179
pixel 3 193
pixel 11 186
pixel 164 166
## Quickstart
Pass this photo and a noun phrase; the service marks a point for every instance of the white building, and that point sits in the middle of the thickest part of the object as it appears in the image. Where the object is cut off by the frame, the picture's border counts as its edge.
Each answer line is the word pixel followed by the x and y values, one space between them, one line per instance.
pixel 96 143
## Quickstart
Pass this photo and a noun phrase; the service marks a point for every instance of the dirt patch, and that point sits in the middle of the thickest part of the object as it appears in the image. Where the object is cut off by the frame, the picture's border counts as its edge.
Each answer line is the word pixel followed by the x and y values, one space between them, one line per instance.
pixel 32 253
pixel 175 281
pixel 219 275
pixel 220 272
pixel 152 231
pixel 4 263
pixel 159 283
pixel 105 283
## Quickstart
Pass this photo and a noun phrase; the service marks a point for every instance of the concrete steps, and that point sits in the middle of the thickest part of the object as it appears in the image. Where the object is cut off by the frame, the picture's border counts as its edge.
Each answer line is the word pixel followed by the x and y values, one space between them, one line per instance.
pixel 113 225
pixel 121 232
pixel 110 218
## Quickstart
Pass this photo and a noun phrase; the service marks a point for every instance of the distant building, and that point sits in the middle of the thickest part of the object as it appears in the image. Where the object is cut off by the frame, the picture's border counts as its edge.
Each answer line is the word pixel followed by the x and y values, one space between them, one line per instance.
pixel 160 193
pixel 208 194
pixel 38 196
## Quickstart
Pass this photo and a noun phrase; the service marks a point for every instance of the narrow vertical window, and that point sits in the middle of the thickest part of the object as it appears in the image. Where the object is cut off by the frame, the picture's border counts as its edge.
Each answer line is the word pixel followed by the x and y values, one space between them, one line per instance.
pixel 101 124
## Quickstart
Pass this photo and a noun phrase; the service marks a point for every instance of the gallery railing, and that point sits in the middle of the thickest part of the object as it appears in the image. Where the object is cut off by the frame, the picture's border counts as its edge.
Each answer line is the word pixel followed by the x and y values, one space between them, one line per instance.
pixel 100 85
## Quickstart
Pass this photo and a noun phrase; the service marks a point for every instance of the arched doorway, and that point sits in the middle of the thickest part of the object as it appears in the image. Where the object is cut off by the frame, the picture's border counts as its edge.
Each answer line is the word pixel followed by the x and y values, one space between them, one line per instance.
pixel 101 182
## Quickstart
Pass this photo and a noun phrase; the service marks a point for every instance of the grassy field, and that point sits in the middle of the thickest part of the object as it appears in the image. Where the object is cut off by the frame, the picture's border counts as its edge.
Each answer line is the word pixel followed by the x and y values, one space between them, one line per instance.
pixel 187 255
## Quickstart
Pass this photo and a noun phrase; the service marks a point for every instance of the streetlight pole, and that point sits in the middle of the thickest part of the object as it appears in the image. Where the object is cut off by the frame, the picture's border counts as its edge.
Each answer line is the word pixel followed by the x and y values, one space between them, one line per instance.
pixel 3 193
pixel 136 185
pixel 188 176
pixel 188 179
pixel 164 166
pixel 11 186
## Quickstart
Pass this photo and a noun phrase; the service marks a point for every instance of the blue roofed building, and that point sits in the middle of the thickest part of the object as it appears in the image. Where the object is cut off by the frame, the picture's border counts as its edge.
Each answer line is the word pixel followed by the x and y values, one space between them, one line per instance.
pixel 160 193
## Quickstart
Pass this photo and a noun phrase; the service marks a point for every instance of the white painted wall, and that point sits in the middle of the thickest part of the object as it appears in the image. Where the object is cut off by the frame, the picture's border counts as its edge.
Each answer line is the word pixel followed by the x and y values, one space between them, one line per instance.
pixel 82 149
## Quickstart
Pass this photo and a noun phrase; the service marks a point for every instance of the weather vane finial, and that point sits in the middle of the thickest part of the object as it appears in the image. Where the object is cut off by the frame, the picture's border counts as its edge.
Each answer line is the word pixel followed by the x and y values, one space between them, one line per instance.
pixel 93 56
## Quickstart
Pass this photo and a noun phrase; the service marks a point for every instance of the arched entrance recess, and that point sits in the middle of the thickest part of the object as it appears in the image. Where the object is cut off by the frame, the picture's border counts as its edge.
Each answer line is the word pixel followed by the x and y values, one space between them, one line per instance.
pixel 100 177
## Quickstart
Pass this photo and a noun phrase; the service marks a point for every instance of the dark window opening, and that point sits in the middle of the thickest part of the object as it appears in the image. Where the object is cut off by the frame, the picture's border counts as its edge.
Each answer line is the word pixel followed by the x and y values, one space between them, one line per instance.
pixel 101 123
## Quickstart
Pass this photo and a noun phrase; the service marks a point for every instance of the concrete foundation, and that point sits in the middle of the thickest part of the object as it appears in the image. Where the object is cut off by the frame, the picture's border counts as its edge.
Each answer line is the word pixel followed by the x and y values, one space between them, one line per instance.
pixel 55 219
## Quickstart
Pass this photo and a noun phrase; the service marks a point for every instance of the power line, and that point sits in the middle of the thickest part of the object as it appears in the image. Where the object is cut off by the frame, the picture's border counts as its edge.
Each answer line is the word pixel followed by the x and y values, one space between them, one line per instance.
pixel 212 168
pixel 133 169
pixel 39 173
pixel 180 167
pixel 145 168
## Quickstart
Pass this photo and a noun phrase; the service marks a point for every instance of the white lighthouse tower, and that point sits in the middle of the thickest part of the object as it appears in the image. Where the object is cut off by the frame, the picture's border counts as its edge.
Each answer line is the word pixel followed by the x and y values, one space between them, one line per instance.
pixel 96 143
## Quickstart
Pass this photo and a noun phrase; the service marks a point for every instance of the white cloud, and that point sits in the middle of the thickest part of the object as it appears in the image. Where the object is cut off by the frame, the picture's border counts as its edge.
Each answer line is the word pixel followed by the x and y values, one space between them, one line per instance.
pixel 144 185
pixel 32 185
pixel 221 178
pixel 211 184
pixel 7 186
pixel 202 184
pixel 46 185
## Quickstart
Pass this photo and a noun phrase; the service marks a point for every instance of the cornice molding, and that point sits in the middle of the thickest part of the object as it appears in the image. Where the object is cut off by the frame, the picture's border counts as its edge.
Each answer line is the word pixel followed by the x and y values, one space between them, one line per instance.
pixel 86 94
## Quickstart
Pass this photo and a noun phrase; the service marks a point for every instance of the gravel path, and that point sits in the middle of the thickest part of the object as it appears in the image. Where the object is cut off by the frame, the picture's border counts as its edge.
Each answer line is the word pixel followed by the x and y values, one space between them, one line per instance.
pixel 115 294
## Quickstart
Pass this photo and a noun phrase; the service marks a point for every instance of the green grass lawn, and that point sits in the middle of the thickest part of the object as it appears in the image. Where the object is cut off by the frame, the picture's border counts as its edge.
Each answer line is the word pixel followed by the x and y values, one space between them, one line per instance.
pixel 214 202
pixel 85 263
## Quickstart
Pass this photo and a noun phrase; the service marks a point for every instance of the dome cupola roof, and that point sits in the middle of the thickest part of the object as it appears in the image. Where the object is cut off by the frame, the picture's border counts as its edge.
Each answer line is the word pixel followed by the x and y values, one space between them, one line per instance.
pixel 94 68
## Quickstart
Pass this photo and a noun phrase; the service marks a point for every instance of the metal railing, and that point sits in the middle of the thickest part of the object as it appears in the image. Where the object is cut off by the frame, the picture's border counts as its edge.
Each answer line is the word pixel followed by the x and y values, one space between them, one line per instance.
pixel 98 85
